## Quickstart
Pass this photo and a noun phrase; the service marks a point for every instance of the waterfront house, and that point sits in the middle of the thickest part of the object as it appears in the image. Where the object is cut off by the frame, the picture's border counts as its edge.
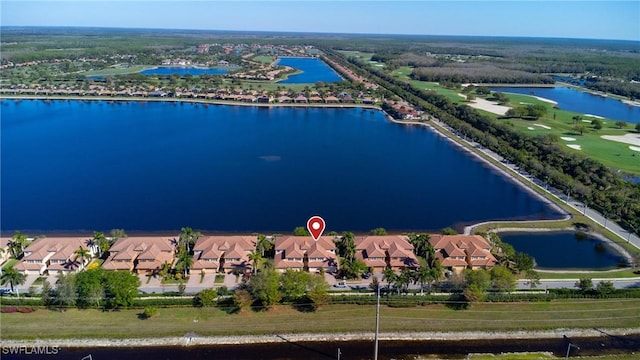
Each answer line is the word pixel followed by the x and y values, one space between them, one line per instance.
pixel 223 253
pixel 4 250
pixel 459 252
pixel 388 251
pixel 306 254
pixel 143 255
pixel 55 255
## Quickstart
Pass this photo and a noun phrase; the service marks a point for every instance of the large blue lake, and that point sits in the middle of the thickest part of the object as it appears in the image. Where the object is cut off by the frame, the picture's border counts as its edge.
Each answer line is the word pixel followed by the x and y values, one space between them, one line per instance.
pixel 581 102
pixel 564 250
pixel 159 166
pixel 182 71
pixel 313 70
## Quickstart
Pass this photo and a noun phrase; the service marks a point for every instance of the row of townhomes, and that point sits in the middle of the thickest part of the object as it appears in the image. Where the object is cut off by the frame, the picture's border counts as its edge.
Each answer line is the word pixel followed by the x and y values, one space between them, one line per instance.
pixel 225 254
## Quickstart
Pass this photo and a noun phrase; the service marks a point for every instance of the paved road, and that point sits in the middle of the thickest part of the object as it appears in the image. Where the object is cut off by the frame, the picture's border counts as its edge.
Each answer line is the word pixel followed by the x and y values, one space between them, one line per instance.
pixel 524 177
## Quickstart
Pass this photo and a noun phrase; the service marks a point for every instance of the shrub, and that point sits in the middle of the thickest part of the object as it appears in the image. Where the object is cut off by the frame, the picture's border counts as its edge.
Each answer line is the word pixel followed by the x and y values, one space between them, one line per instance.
pixel 9 309
pixel 149 312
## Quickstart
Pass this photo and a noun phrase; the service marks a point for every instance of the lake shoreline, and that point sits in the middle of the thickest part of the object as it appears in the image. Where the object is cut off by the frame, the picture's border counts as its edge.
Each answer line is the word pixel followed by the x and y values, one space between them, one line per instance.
pixel 195 340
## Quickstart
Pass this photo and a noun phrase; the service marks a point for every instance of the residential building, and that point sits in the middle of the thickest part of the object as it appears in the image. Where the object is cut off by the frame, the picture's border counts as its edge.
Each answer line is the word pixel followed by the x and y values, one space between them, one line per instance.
pixel 223 253
pixel 459 252
pixel 388 251
pixel 55 255
pixel 306 254
pixel 144 255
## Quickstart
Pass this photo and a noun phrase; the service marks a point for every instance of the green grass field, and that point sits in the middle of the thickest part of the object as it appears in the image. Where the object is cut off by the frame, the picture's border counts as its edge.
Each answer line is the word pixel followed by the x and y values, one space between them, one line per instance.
pixel 264 59
pixel 117 70
pixel 615 313
pixel 559 122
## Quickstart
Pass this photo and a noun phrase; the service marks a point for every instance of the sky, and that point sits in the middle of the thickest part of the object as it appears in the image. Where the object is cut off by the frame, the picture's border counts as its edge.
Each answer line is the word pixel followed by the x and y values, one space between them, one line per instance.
pixel 618 20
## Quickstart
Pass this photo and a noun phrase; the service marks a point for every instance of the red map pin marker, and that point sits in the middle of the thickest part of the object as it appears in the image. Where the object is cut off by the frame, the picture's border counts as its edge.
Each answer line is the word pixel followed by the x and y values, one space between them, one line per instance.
pixel 315 225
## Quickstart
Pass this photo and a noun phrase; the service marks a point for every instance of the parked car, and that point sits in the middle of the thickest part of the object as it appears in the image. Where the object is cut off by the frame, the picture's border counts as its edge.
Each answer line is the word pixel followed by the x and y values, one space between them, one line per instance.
pixel 5 291
pixel 341 285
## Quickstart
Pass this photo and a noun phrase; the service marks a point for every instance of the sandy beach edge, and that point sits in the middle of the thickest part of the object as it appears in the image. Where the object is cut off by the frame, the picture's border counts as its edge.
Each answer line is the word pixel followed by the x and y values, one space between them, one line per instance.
pixel 196 340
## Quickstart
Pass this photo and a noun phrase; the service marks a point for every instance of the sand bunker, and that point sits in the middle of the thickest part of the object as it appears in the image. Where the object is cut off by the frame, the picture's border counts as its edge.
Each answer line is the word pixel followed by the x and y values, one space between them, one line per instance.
pixel 545 100
pixel 631 138
pixel 543 126
pixel 566 138
pixel 594 116
pixel 530 128
pixel 634 148
pixel 574 146
pixel 489 106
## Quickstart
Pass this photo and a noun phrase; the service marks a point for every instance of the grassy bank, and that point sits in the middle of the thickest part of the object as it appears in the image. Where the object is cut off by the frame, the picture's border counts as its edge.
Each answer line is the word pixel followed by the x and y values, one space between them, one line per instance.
pixel 618 313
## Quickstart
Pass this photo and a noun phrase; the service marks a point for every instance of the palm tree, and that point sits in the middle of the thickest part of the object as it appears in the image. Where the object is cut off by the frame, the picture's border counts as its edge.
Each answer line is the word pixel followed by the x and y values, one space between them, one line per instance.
pixel 264 244
pixel 389 276
pixel 188 238
pixel 13 277
pixel 83 254
pixel 17 244
pixel 184 262
pixel 256 260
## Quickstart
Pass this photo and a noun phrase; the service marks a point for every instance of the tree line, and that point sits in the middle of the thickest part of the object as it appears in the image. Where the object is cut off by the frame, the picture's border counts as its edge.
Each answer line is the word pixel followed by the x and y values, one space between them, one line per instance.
pixel 574 173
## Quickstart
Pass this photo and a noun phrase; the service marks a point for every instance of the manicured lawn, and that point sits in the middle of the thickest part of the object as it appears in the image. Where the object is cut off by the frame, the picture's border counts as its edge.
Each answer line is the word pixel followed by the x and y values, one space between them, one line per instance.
pixel 10 263
pixel 611 153
pixel 264 59
pixel 363 56
pixel 118 70
pixel 626 273
pixel 219 279
pixel 615 313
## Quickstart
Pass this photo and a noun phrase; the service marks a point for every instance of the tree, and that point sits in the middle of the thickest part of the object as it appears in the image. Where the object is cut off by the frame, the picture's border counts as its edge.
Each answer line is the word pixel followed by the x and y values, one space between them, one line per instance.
pixel 448 231
pixel 264 287
pixel 121 287
pixel 242 299
pixel 149 312
pixel 473 293
pixel 12 277
pixel 184 262
pixel 379 231
pixel 584 284
pixel 264 244
pixel 502 279
pixel 577 119
pixel 638 127
pixel 579 128
pixel 374 284
pixel 301 231
pixel 101 241
pixel 318 291
pixel 597 124
pixel 390 277
pixel 621 124
pixel 206 297
pixel 533 278
pixel 17 244
pixel 83 254
pixel 605 287
pixel 523 261
pixel 117 234
pixel 187 239
pixel 65 293
pixel 89 287
pixel 256 260
pixel 293 284
pixel 479 279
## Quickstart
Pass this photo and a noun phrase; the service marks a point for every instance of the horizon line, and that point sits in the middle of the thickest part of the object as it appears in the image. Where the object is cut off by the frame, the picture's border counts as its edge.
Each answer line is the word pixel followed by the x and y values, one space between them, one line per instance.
pixel 314 32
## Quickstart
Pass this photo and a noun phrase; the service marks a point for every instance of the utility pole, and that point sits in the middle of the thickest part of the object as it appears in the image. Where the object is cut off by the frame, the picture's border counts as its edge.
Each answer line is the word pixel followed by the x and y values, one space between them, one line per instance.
pixel 339 353
pixel 375 351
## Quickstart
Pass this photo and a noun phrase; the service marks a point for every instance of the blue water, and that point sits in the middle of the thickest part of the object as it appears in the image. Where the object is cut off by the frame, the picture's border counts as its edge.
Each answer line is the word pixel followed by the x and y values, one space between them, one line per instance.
pixel 313 70
pixel 182 71
pixel 581 102
pixel 152 166
pixel 563 250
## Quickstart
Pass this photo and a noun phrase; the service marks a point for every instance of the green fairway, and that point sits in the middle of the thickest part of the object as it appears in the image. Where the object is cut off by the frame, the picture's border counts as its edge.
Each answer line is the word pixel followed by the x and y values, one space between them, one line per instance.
pixel 625 273
pixel 118 70
pixel 558 122
pixel 264 59
pixel 614 313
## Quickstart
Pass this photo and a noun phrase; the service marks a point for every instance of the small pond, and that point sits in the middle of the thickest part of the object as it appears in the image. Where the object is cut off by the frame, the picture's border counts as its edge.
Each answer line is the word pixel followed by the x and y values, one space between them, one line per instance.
pixel 182 71
pixel 564 249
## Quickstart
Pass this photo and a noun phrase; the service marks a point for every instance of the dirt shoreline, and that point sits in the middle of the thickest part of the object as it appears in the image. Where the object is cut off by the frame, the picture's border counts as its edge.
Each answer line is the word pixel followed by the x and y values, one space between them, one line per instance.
pixel 194 339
